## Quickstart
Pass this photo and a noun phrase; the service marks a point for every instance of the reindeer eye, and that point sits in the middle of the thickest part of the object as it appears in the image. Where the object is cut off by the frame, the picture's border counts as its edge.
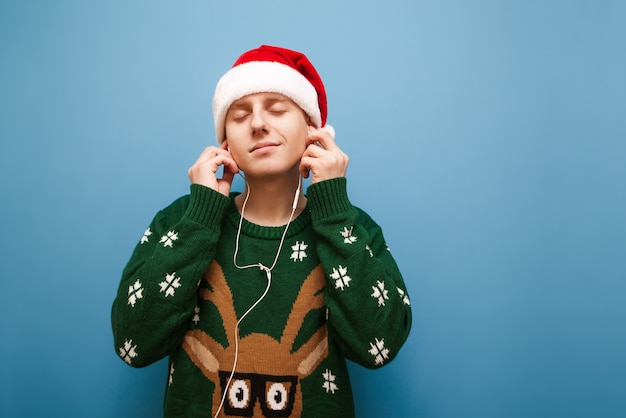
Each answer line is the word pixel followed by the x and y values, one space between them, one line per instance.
pixel 239 394
pixel 277 397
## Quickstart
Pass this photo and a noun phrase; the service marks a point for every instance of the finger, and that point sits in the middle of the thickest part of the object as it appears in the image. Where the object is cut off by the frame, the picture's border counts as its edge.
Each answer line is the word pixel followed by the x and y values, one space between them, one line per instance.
pixel 314 150
pixel 212 162
pixel 219 156
pixel 234 168
pixel 229 163
pixel 225 183
pixel 209 161
pixel 321 137
pixel 305 167
pixel 207 154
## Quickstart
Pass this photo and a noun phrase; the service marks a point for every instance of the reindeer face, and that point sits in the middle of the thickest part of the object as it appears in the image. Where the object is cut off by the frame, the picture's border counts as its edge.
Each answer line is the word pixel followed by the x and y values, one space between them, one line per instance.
pixel 268 374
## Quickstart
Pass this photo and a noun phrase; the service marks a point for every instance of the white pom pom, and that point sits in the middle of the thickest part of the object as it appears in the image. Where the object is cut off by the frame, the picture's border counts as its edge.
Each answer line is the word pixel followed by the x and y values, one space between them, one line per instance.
pixel 329 129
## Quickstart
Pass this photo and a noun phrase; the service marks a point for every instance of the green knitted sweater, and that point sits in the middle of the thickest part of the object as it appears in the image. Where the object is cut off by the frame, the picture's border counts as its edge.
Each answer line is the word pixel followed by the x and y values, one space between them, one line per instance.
pixel 335 293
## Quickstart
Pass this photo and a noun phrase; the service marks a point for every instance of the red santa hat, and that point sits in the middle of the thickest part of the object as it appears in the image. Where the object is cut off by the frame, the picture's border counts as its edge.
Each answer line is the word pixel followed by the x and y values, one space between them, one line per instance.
pixel 271 69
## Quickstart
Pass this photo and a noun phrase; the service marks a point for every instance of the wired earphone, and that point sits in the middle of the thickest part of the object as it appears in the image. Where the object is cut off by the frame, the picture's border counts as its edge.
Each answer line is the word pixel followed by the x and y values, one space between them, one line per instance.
pixel 262 267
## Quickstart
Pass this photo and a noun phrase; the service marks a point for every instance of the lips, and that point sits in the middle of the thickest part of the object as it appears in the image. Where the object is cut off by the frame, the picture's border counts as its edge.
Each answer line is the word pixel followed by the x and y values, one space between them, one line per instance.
pixel 263 146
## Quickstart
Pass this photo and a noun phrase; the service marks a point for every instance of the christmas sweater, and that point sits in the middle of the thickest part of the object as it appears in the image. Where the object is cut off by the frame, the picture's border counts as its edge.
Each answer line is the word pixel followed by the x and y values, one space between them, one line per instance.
pixel 336 293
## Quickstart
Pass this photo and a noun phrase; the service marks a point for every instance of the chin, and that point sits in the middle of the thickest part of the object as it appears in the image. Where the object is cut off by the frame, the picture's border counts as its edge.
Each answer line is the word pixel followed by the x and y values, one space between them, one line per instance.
pixel 269 170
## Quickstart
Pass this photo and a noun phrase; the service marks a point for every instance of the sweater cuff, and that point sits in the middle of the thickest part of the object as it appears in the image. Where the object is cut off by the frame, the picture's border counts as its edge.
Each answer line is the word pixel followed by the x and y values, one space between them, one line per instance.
pixel 328 198
pixel 206 206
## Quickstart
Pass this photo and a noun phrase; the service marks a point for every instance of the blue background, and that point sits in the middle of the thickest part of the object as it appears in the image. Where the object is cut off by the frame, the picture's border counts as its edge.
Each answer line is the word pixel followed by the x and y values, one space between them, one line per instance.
pixel 488 138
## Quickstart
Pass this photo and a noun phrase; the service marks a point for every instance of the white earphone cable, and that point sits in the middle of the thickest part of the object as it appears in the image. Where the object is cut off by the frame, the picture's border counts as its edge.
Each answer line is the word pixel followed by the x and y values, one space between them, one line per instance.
pixel 268 273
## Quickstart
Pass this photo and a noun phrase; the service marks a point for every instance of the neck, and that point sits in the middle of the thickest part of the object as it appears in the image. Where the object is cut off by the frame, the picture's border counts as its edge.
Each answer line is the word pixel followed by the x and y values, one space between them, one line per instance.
pixel 270 202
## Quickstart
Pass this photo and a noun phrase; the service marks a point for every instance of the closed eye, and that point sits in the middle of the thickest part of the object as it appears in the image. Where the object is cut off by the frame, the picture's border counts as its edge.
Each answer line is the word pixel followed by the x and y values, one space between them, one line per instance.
pixel 277 111
pixel 241 116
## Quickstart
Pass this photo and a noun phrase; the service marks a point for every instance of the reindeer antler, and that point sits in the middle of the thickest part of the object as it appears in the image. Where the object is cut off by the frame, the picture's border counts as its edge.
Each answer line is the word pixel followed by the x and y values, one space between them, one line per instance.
pixel 221 296
pixel 310 297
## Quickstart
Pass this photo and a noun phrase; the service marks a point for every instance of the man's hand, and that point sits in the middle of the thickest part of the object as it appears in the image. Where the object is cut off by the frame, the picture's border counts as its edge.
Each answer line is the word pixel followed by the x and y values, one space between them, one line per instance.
pixel 204 170
pixel 322 157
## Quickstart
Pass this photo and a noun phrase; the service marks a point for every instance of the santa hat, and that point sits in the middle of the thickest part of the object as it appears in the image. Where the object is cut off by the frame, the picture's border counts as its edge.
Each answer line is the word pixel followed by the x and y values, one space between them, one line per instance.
pixel 270 69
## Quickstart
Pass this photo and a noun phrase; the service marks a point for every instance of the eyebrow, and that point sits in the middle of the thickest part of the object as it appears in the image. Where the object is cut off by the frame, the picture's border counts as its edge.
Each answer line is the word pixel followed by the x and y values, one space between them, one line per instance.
pixel 267 101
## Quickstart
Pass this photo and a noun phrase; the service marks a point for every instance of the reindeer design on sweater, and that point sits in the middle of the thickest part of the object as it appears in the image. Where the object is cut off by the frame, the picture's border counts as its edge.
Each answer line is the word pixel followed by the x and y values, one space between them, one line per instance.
pixel 273 379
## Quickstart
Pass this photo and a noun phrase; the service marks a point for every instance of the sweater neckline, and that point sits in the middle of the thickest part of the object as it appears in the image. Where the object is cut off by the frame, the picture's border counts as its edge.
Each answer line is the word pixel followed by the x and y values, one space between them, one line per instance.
pixel 266 232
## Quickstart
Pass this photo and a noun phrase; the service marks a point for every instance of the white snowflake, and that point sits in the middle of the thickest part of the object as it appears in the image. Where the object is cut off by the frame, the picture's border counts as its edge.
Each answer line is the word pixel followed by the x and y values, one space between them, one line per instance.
pixel 404 296
pixel 128 351
pixel 379 351
pixel 196 316
pixel 145 236
pixel 171 380
pixel 170 284
pixel 369 250
pixel 348 238
pixel 339 275
pixel 329 382
pixel 380 293
pixel 168 239
pixel 299 251
pixel 135 291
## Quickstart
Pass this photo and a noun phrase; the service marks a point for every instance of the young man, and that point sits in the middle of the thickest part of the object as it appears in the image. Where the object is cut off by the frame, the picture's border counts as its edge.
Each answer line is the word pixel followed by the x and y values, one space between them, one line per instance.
pixel 258 298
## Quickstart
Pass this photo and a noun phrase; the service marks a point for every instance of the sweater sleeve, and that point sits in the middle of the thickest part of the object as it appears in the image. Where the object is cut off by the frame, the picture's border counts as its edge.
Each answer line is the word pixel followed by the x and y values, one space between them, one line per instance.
pixel 368 305
pixel 157 294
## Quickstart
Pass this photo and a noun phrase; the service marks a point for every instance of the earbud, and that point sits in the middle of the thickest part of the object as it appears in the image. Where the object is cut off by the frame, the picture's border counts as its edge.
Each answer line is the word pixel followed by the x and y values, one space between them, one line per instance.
pixel 296 198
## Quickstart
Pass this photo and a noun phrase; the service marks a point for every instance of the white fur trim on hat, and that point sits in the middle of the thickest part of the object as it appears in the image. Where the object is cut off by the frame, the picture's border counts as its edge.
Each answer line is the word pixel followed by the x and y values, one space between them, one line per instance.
pixel 263 77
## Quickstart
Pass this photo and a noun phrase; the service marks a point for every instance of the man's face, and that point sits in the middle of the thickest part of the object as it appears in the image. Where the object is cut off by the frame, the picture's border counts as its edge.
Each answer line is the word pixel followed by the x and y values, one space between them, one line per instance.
pixel 266 134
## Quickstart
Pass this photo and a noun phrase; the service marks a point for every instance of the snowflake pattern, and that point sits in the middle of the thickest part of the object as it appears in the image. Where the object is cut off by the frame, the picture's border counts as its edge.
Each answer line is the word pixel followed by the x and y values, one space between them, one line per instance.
pixel 196 316
pixel 168 239
pixel 145 237
pixel 341 278
pixel 378 350
pixel 380 293
pixel 348 238
pixel 128 351
pixel 135 291
pixel 170 284
pixel 171 379
pixel 369 250
pixel 329 382
pixel 404 296
pixel 299 251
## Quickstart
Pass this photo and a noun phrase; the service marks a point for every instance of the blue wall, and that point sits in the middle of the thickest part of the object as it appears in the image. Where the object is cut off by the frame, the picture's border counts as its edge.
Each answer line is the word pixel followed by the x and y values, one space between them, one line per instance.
pixel 487 138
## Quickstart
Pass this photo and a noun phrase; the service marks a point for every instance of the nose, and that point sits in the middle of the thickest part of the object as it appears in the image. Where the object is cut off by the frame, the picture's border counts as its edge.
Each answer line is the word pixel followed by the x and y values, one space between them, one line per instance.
pixel 258 124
